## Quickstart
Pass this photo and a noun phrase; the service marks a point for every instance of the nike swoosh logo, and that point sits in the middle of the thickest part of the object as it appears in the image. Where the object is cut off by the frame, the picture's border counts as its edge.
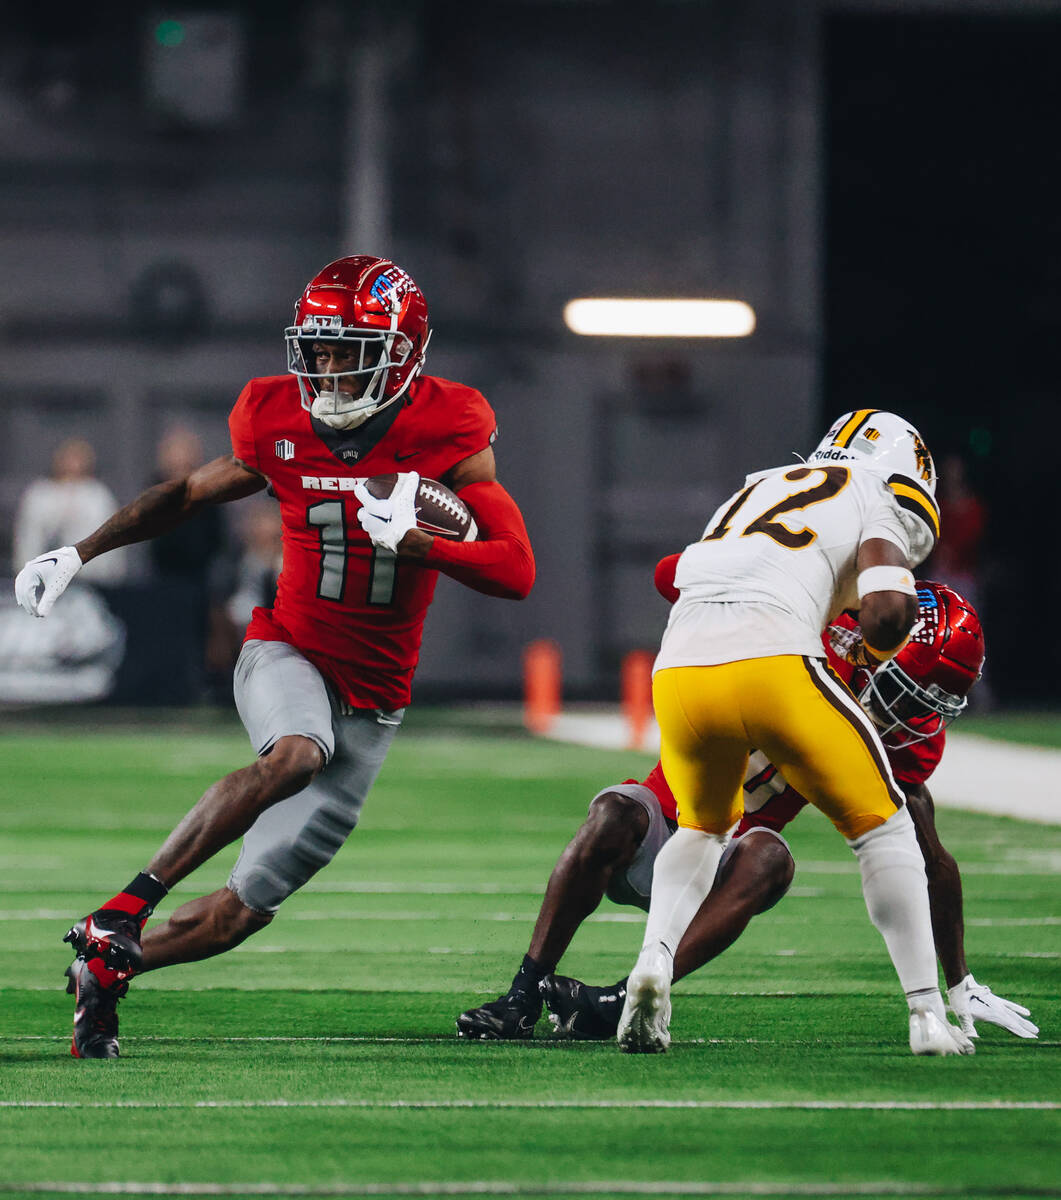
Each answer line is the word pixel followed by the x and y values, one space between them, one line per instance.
pixel 44 560
pixel 403 457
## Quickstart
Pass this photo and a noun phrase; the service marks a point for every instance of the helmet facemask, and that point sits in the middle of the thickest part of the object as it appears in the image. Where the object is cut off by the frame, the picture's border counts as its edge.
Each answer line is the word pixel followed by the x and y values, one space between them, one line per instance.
pixel 377 352
pixel 903 710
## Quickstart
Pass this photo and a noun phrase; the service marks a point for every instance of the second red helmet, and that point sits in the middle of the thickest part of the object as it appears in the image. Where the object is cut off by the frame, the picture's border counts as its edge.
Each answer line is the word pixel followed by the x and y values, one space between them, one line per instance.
pixel 926 685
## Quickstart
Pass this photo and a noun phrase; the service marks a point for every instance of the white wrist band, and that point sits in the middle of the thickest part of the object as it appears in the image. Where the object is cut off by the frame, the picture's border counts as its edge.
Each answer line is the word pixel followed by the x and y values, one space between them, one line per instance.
pixel 886 579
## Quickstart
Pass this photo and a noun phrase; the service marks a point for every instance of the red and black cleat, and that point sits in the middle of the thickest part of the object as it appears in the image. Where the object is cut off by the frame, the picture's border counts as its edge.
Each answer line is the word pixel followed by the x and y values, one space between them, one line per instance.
pixel 111 935
pixel 95 1012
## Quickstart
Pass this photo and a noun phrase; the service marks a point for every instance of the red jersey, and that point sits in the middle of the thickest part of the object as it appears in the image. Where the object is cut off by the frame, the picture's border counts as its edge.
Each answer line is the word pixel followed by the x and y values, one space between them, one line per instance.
pixel 353 610
pixel 769 800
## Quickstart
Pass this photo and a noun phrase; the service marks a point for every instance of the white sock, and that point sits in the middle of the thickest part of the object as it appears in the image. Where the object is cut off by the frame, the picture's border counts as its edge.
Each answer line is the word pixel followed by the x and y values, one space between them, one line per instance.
pixel 682 876
pixel 896 893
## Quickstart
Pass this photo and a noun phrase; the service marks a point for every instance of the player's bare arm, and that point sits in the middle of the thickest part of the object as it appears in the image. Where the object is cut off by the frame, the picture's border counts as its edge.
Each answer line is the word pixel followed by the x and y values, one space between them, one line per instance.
pixel 43 580
pixel 886 616
pixel 166 505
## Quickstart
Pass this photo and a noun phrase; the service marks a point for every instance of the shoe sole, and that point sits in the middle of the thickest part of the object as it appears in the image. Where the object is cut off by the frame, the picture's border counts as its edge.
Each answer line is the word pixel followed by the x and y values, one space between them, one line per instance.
pixel 646 1015
pixel 480 1033
pixel 73 989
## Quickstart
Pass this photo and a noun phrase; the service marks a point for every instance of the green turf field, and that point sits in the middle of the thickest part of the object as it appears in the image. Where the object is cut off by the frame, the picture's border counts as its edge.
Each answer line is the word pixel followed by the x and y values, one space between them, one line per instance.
pixel 320 1058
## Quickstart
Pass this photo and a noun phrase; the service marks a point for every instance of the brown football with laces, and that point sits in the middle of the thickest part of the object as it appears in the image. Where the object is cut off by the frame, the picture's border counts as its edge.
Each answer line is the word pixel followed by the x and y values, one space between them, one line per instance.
pixel 439 511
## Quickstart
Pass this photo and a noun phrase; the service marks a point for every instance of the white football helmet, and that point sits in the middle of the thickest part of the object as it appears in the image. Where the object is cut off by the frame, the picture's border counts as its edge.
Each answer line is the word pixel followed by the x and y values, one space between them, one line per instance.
pixel 883 441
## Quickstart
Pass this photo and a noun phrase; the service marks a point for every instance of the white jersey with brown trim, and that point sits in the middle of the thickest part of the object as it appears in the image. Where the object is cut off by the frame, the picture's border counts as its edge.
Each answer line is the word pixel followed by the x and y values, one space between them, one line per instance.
pixel 920 515
pixel 778 560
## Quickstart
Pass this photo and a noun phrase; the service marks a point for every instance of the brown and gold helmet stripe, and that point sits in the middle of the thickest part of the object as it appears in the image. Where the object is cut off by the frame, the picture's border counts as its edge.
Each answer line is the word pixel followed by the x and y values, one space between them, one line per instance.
pixel 858 419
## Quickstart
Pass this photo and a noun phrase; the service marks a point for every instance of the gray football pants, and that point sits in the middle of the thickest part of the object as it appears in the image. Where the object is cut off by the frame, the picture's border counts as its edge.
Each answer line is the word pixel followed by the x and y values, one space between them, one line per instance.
pixel 279 693
pixel 634 885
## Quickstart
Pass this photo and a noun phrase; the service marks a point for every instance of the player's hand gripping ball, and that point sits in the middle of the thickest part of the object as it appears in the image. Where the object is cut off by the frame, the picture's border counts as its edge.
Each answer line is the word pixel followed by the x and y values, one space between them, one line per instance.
pixel 392 504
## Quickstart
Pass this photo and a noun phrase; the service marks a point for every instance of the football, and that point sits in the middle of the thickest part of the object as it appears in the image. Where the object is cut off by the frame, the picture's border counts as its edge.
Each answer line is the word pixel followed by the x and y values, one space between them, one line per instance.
pixel 439 511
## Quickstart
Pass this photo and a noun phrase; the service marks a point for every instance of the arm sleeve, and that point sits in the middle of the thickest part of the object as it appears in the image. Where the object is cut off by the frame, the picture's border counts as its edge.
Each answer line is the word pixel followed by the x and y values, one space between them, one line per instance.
pixel 501 563
pixel 241 430
pixel 664 578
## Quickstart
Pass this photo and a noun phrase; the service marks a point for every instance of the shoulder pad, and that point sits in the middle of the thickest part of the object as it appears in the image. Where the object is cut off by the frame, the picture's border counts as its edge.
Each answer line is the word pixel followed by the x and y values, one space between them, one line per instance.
pixel 920 513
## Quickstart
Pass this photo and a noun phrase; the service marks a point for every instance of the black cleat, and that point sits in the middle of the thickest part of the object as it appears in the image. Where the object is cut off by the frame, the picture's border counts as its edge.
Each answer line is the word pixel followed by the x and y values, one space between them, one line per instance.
pixel 111 935
pixel 509 1018
pixel 95 1013
pixel 581 1012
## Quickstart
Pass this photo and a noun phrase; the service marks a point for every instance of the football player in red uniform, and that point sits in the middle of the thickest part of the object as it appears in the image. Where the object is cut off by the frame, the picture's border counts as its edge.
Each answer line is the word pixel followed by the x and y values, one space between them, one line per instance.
pixel 911 698
pixel 323 677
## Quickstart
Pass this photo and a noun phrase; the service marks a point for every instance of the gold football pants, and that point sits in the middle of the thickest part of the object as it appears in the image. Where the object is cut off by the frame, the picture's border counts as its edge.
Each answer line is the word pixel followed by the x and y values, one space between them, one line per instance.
pixel 798 713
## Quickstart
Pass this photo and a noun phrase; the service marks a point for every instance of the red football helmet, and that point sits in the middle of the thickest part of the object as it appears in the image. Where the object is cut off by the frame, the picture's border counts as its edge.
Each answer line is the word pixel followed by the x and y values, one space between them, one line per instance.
pixel 926 685
pixel 373 306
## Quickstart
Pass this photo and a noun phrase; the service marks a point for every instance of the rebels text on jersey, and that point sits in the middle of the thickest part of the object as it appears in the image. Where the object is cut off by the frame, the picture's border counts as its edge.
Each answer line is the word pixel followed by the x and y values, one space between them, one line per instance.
pixel 353 610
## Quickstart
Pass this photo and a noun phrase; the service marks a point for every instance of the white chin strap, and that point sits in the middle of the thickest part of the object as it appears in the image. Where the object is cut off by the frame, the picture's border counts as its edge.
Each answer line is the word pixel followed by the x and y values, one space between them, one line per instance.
pixel 324 409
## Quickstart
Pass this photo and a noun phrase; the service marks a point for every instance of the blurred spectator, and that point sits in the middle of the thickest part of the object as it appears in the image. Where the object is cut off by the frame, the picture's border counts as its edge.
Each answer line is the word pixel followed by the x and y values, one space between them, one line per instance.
pixel 248 581
pixel 259 563
pixel 189 560
pixel 188 552
pixel 64 508
pixel 963 521
pixel 958 559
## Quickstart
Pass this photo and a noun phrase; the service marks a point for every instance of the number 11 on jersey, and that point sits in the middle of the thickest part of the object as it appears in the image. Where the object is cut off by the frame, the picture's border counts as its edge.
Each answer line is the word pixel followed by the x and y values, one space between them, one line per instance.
pixel 329 518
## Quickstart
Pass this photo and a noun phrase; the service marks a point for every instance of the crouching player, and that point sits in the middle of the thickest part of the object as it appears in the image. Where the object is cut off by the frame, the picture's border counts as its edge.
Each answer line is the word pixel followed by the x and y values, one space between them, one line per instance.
pixel 911 698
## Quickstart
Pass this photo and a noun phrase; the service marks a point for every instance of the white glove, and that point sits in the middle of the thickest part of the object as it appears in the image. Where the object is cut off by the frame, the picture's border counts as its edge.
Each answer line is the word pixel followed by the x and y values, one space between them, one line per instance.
pixel 971 1001
pixel 387 521
pixel 44 579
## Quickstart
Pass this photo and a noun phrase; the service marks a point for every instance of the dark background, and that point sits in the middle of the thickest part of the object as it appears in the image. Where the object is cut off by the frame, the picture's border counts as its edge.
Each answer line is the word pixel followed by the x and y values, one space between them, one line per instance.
pixel 877 178
pixel 943 277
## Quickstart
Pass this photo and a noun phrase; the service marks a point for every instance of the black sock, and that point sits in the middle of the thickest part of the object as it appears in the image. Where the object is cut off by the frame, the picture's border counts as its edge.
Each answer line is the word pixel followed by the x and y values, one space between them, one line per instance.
pixel 529 975
pixel 140 897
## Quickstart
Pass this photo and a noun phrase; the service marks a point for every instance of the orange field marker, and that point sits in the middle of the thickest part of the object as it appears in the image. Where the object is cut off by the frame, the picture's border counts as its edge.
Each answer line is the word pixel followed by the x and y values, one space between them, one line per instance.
pixel 635 686
pixel 543 673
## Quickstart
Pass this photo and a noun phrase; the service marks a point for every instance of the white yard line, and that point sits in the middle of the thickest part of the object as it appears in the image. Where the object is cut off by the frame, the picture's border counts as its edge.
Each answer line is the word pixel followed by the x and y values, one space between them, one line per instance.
pixel 482 1187
pixel 548 1105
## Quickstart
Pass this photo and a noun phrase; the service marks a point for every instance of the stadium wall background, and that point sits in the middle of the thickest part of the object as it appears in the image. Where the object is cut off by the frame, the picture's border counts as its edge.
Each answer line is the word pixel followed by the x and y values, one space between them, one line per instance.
pixel 169 183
